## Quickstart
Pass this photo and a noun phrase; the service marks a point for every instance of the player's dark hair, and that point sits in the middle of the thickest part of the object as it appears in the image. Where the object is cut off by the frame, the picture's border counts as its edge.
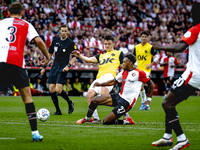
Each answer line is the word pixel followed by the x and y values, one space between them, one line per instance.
pixel 145 33
pixel 131 58
pixel 63 26
pixel 195 13
pixel 15 8
pixel 109 37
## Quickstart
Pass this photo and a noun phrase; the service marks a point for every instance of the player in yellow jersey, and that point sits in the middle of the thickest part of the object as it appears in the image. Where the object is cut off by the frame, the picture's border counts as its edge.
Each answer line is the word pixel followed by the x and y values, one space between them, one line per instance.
pixel 108 64
pixel 144 52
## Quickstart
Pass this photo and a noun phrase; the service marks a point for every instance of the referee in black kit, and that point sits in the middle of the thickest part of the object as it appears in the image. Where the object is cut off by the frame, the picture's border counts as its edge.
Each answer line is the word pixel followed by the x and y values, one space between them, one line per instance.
pixel 62 46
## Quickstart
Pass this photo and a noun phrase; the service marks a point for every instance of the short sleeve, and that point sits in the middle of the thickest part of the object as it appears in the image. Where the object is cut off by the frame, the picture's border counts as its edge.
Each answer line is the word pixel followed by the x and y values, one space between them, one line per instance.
pixel 118 78
pixel 97 57
pixel 175 61
pixel 153 51
pixel 190 36
pixel 121 57
pixel 32 33
pixel 143 77
pixel 74 48
pixel 51 48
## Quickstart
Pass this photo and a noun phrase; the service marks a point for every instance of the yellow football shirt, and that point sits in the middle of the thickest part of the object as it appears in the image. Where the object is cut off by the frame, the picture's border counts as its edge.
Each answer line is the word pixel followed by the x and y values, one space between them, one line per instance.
pixel 109 62
pixel 144 55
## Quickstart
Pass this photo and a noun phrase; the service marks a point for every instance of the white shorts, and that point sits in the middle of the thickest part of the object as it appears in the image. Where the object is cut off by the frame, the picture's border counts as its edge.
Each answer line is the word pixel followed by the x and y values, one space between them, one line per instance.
pixel 102 79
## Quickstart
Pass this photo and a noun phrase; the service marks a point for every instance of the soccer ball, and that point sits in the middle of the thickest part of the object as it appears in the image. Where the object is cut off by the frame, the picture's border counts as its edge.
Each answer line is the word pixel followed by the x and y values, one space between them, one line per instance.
pixel 43 114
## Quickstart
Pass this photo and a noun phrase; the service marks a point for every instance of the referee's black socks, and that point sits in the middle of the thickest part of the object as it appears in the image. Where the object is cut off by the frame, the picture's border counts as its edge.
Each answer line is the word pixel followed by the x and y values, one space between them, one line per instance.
pixel 65 96
pixel 55 101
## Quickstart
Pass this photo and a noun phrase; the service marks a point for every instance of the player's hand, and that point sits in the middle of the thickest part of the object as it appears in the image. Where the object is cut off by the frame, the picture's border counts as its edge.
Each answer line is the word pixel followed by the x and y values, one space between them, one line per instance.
pixel 157 46
pixel 148 66
pixel 42 71
pixel 66 69
pixel 44 62
pixel 96 84
pixel 76 53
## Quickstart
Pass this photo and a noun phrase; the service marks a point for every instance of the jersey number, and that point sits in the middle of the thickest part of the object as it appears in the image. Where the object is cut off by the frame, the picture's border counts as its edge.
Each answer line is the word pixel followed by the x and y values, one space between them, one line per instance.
pixel 12 30
pixel 178 82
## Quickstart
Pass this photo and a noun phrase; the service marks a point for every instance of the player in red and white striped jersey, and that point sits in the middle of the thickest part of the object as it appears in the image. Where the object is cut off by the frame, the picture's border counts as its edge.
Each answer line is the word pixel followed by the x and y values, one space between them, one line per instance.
pixel 169 62
pixel 14 32
pixel 186 85
pixel 132 80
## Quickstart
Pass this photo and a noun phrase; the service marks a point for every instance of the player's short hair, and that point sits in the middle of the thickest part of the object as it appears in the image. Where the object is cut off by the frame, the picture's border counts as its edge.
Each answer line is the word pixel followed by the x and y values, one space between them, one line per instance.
pixel 63 26
pixel 15 8
pixel 109 37
pixel 195 13
pixel 145 33
pixel 131 58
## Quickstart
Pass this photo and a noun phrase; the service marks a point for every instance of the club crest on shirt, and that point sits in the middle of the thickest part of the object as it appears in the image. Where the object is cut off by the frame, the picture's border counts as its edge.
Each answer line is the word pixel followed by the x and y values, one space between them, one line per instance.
pixel 113 54
pixel 55 49
pixel 64 50
pixel 133 74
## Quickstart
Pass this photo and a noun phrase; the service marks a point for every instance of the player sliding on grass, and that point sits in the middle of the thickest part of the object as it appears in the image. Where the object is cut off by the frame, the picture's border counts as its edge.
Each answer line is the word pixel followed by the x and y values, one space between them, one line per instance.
pixel 186 85
pixel 132 80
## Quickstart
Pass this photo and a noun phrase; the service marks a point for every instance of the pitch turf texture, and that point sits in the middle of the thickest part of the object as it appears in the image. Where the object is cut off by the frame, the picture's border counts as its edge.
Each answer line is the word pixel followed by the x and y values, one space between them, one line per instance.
pixel 62 133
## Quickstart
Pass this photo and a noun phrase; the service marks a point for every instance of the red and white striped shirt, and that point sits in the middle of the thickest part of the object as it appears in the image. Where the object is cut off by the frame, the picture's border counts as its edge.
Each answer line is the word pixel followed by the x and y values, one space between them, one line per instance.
pixel 168 70
pixel 131 84
pixel 192 73
pixel 14 32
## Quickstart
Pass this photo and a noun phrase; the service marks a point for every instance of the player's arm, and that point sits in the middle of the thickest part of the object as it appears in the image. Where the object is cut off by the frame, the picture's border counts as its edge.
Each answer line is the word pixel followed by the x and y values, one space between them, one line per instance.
pixel 108 83
pixel 155 58
pixel 84 58
pixel 171 48
pixel 151 88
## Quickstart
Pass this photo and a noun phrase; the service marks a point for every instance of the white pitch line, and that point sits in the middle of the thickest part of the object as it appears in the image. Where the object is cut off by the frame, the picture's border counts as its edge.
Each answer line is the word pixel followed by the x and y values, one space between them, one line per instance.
pixel 7 138
pixel 100 126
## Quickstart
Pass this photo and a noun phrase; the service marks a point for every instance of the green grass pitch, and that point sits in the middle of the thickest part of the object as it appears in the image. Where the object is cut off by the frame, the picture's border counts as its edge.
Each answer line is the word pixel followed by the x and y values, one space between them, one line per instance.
pixel 62 133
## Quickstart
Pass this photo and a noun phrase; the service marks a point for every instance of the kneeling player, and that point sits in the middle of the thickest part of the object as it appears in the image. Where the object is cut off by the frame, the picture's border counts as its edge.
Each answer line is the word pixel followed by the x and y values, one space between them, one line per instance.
pixel 132 80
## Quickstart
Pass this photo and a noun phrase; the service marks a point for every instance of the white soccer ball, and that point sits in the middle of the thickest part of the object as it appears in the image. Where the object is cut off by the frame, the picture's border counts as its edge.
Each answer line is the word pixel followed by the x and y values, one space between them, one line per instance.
pixel 43 114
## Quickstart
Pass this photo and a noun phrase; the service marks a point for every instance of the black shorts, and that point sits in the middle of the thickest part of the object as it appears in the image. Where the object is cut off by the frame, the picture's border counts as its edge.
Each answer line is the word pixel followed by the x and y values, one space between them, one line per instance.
pixel 181 90
pixel 120 104
pixel 14 75
pixel 56 75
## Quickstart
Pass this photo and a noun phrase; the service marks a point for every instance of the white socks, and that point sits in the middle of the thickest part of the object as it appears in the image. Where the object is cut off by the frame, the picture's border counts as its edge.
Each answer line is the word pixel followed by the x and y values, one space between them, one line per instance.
pixel 143 96
pixel 167 136
pixel 181 137
pixel 95 114
pixel 35 132
pixel 126 115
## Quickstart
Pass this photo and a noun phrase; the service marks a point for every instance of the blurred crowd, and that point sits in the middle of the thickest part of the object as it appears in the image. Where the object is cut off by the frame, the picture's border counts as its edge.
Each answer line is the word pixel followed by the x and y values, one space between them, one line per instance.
pixel 90 20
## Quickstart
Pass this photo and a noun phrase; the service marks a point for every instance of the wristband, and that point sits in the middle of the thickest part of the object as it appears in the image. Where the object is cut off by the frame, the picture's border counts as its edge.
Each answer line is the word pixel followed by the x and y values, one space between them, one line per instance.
pixel 149 98
pixel 69 65
pixel 44 66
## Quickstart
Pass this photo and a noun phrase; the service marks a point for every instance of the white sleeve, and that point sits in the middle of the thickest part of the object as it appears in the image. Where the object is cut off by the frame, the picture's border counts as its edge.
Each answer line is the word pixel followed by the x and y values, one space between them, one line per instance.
pixel 119 77
pixel 32 33
pixel 156 58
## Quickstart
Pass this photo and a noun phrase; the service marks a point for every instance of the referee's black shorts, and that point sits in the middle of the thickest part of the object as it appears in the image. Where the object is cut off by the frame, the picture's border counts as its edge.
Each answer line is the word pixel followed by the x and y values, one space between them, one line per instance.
pixel 56 75
pixel 14 75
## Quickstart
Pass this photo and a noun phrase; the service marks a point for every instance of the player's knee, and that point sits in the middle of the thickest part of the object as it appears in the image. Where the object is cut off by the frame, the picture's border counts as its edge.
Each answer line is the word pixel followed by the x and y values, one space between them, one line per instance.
pixel 165 104
pixel 106 122
pixel 58 90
